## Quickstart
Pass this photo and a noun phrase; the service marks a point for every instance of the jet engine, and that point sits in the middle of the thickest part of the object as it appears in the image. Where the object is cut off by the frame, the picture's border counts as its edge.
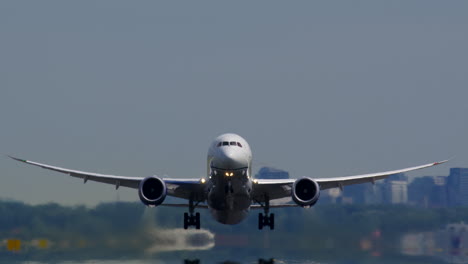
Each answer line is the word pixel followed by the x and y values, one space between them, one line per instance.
pixel 305 192
pixel 152 191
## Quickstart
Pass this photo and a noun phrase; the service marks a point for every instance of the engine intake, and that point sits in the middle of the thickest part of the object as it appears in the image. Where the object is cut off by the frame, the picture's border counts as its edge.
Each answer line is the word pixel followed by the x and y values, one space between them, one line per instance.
pixel 305 192
pixel 152 191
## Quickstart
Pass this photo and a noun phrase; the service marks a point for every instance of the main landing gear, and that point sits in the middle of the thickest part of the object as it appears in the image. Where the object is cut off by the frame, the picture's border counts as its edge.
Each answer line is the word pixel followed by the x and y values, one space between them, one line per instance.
pixel 266 219
pixel 191 219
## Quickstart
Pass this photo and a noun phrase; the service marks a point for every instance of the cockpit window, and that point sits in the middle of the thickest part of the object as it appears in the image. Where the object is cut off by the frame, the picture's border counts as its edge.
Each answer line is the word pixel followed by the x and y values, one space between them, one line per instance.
pixel 227 143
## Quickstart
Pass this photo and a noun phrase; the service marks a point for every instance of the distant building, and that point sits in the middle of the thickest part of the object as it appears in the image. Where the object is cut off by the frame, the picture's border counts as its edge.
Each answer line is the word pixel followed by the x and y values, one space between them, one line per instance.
pixel 457 187
pixel 428 191
pixel 332 195
pixel 396 189
pixel 271 173
pixel 365 193
pixel 373 194
pixel 420 190
pixel 439 196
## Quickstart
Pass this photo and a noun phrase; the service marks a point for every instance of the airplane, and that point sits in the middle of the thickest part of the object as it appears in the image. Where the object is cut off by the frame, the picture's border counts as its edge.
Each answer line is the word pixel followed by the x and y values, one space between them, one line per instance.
pixel 229 190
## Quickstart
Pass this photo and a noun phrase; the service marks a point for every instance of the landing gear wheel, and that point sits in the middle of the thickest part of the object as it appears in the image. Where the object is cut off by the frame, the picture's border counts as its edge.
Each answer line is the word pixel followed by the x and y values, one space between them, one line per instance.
pixel 266 220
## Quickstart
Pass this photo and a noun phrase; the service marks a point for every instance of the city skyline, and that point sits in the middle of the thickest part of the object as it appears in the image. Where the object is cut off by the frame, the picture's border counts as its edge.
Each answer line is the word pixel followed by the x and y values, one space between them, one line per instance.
pixel 423 191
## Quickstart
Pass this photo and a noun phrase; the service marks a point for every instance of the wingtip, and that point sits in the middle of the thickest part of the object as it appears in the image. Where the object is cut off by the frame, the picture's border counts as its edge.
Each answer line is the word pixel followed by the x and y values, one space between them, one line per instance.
pixel 17 159
pixel 441 162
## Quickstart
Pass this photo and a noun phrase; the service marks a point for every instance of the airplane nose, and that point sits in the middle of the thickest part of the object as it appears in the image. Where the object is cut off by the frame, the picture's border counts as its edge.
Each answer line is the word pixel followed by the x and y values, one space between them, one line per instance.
pixel 230 159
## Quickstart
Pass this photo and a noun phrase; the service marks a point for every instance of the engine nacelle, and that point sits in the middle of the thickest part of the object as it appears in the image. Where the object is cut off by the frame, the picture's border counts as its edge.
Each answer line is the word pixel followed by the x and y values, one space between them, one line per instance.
pixel 152 191
pixel 305 192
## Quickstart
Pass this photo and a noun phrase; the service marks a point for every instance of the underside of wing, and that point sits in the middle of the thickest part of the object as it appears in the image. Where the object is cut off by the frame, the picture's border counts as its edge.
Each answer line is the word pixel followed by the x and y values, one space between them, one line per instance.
pixel 186 189
pixel 263 190
pixel 257 206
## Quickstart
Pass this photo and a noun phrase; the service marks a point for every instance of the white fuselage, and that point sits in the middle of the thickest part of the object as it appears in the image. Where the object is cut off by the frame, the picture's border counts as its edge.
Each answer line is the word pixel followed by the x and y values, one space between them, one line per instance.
pixel 229 178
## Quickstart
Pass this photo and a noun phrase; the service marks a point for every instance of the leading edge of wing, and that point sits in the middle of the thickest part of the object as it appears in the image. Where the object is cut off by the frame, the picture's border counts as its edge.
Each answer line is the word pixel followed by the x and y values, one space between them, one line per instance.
pixel 176 187
pixel 126 181
pixel 282 186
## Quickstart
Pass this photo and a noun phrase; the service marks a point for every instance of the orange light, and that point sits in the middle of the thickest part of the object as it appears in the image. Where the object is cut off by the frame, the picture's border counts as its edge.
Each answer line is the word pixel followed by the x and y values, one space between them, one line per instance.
pixel 13 245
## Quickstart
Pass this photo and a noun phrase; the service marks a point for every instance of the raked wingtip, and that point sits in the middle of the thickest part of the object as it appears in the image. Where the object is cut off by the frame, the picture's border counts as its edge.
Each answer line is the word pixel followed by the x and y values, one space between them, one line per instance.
pixel 441 162
pixel 17 159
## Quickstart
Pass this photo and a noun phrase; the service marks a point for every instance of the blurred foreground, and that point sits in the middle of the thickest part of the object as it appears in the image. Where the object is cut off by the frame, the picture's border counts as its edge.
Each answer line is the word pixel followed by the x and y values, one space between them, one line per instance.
pixel 323 234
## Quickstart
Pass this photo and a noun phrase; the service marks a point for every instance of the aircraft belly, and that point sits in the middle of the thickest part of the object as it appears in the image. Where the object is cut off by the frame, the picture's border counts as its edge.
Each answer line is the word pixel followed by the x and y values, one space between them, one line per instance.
pixel 229 217
pixel 229 206
pixel 234 202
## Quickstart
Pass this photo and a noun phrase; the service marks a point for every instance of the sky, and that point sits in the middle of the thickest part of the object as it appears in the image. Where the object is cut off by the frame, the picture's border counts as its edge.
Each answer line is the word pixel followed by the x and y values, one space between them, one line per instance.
pixel 141 88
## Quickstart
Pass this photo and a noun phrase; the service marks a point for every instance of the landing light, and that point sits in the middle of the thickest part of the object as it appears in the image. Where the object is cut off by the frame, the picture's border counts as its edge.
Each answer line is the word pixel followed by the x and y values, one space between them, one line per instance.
pixel 203 180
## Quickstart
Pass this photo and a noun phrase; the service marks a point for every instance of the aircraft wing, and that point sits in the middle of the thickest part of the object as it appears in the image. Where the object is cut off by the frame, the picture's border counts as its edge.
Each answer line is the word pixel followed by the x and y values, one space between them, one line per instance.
pixel 180 188
pixel 275 189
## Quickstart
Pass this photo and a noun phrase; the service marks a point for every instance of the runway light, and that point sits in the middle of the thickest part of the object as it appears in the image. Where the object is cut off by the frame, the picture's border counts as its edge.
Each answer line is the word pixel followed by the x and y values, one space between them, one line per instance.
pixel 14 245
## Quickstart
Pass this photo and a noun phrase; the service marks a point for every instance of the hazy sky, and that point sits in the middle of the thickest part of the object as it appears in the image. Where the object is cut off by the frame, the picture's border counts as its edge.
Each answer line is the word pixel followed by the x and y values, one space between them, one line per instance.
pixel 137 88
